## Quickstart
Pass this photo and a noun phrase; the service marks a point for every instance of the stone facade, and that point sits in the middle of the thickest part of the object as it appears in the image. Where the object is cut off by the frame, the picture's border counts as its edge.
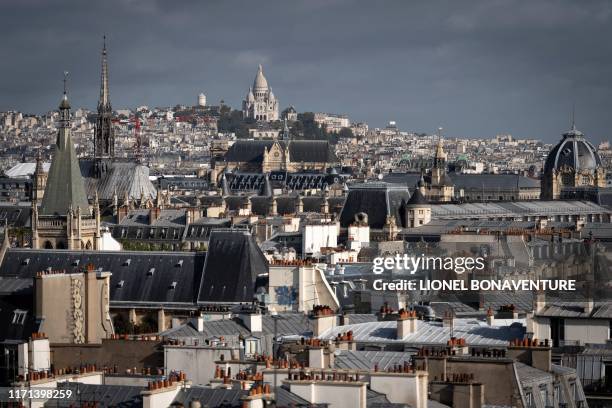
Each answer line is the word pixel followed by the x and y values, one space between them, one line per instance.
pixel 260 102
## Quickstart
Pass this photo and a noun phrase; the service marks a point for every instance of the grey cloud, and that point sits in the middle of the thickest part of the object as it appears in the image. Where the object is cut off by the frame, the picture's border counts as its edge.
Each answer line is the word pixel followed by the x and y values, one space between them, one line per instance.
pixel 477 68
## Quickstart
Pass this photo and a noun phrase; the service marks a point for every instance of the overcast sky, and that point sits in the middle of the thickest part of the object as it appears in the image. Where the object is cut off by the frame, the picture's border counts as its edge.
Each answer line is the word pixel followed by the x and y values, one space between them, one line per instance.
pixel 476 68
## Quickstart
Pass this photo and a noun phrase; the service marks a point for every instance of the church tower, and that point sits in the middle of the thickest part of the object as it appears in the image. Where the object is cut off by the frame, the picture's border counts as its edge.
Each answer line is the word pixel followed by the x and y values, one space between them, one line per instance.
pixel 104 136
pixel 40 180
pixel 64 219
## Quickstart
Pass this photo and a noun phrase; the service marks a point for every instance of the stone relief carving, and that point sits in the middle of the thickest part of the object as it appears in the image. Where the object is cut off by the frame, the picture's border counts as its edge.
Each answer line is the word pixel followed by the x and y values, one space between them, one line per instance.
pixel 77 312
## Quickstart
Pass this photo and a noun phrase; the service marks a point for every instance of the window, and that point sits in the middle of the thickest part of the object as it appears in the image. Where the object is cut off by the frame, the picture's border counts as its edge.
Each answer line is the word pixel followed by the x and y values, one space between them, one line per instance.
pixel 544 395
pixel 529 400
pixel 251 347
pixel 19 316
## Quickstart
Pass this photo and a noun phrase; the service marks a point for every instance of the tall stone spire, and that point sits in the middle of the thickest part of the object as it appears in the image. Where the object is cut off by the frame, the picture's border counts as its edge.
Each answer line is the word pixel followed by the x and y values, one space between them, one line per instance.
pixel 104 97
pixel 104 136
pixel 65 185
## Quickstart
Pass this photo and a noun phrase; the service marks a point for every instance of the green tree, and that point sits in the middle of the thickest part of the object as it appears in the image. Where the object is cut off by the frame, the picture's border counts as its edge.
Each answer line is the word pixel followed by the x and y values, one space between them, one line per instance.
pixel 345 133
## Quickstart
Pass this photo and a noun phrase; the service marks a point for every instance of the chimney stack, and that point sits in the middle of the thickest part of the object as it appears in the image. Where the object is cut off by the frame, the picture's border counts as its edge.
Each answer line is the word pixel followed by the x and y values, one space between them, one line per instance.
pixel 406 323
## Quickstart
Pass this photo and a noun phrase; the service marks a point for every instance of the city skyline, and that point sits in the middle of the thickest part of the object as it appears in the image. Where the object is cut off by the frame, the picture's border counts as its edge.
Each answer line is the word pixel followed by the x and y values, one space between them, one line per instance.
pixel 410 64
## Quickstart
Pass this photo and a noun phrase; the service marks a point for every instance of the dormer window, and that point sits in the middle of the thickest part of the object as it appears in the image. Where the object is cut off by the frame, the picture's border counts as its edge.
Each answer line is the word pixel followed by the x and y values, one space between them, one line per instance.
pixel 127 262
pixel 19 316
pixel 173 285
pixel 120 284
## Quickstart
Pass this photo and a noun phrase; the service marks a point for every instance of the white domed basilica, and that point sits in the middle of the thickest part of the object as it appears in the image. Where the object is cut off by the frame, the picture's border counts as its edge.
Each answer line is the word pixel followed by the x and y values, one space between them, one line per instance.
pixel 260 102
pixel 572 169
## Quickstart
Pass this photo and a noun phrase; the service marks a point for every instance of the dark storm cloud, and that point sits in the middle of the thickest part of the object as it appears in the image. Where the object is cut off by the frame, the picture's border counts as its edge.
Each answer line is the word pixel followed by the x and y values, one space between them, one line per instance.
pixel 477 68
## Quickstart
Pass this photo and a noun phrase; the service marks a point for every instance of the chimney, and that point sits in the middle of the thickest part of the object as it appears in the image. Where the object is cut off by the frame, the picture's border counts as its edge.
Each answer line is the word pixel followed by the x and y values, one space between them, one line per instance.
pixel 192 214
pixel 161 393
pixel 122 212
pixel 200 323
pixel 468 395
pixel 490 317
pixel 447 320
pixel 154 214
pixel 253 321
pixel 406 323
pixel 531 352
pixel 539 301
pixel 324 319
pixel 579 223
pixel 344 319
pixel 316 357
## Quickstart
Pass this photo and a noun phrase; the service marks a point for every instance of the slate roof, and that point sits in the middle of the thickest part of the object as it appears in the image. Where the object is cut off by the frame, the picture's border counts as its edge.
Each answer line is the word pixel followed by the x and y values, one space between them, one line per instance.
pixel 211 397
pixel 515 209
pixel 25 170
pixel 308 151
pixel 201 229
pixel 281 179
pixel 12 285
pixel 16 215
pixel 212 328
pixel 366 360
pixel 287 324
pixel 105 396
pixel 529 375
pixel 16 330
pixel 121 177
pixel 601 310
pixel 377 200
pixel 470 181
pixel 573 151
pixel 141 284
pixel 234 260
pixel 285 398
pixel 65 185
pixel 417 199
pixel 476 333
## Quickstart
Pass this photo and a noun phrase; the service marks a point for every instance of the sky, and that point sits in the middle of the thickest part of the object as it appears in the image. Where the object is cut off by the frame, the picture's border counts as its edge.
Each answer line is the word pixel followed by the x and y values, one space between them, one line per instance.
pixel 475 68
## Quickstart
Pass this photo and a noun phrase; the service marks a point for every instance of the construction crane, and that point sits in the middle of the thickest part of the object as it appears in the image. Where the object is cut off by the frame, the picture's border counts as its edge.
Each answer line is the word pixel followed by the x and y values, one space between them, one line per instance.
pixel 138 143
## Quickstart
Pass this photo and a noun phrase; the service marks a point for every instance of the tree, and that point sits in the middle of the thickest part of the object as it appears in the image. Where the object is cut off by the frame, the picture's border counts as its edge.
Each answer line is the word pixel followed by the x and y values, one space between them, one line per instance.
pixel 345 133
pixel 232 121
pixel 122 325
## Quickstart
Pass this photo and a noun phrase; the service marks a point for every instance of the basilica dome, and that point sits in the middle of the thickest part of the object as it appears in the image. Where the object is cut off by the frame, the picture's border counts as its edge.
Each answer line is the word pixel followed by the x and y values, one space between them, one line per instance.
pixel 260 83
pixel 574 152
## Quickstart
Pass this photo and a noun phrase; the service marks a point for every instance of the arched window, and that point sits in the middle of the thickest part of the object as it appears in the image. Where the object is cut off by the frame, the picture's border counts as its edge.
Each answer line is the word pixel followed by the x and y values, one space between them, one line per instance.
pixel 48 245
pixel 61 245
pixel 567 179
